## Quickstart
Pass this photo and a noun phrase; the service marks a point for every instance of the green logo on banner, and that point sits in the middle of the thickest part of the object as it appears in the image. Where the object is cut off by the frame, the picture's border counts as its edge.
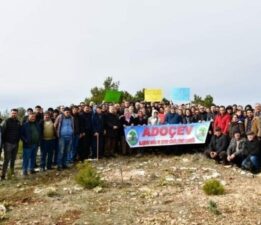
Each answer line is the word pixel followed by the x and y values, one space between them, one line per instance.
pixel 132 137
pixel 201 132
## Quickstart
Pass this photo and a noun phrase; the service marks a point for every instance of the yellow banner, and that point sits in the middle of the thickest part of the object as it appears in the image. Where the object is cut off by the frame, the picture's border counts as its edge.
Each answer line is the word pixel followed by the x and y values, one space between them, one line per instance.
pixel 153 95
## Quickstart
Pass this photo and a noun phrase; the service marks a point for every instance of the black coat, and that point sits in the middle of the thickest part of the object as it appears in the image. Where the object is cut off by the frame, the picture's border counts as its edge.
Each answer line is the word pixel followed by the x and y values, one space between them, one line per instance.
pixel 218 144
pixel 124 123
pixel 111 121
pixel 140 121
pixel 252 147
pixel 86 121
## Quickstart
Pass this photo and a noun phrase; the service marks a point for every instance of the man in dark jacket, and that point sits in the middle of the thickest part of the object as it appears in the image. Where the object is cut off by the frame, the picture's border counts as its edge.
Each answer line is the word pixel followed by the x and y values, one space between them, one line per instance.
pixel 172 117
pixel 86 139
pixel 253 153
pixel 112 130
pixel 30 136
pixel 11 130
pixel 98 129
pixel 78 132
pixel 218 146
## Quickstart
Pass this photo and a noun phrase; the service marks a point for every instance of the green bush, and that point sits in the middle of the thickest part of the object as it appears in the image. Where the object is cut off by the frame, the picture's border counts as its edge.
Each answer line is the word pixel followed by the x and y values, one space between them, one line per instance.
pixel 87 176
pixel 212 207
pixel 213 187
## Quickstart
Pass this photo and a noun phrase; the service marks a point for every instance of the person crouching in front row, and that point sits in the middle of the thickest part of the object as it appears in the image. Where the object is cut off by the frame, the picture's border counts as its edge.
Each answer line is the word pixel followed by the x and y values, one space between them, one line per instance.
pixel 217 147
pixel 236 148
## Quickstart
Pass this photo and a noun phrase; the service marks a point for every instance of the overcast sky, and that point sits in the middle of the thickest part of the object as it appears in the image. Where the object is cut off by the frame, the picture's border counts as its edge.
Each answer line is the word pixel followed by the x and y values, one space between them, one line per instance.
pixel 53 51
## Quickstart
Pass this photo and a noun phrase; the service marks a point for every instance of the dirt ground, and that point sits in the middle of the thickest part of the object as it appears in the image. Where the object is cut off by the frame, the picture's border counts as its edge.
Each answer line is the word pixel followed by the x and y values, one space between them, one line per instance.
pixel 153 189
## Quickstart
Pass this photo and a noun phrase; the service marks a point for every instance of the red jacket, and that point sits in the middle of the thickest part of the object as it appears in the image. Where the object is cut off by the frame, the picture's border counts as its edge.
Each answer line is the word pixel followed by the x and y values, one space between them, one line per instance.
pixel 222 122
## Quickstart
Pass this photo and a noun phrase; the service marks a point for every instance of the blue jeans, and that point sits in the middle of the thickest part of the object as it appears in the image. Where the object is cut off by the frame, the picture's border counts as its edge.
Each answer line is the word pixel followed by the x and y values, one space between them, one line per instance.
pixel 56 150
pixel 65 144
pixel 73 152
pixel 255 160
pixel 47 151
pixel 29 156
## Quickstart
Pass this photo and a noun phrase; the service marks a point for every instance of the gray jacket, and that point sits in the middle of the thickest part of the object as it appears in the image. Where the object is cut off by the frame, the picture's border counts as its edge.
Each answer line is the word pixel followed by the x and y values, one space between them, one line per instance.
pixel 232 148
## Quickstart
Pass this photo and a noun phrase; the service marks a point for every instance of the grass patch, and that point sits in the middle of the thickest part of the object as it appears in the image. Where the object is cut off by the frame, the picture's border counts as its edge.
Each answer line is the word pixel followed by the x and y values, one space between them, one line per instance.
pixel 88 176
pixel 213 187
pixel 213 208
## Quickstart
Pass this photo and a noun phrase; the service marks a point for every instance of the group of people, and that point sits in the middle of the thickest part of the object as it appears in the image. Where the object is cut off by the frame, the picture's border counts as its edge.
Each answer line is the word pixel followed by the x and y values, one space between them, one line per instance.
pixel 69 134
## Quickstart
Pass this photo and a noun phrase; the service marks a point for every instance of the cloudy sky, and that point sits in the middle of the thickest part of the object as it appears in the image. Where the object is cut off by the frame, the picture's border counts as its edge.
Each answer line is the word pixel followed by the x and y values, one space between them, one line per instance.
pixel 53 51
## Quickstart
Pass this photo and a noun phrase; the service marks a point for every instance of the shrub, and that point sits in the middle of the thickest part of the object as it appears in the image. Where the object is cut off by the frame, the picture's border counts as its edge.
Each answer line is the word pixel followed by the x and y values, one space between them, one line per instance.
pixel 212 207
pixel 87 176
pixel 213 187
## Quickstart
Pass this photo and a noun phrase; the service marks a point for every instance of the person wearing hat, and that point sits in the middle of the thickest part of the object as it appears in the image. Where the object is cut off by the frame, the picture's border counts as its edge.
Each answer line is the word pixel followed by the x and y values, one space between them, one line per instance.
pixel 64 126
pixel 154 119
pixel 218 146
pixel 236 148
pixel 253 153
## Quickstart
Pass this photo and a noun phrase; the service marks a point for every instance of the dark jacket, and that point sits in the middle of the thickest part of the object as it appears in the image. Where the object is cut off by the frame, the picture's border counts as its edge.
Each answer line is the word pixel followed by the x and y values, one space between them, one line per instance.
pixel 218 144
pixel 111 121
pixel 98 123
pixel 140 121
pixel 11 131
pixel 252 147
pixel 26 133
pixel 78 124
pixel 173 118
pixel 125 123
pixel 87 122
pixel 202 116
pixel 188 119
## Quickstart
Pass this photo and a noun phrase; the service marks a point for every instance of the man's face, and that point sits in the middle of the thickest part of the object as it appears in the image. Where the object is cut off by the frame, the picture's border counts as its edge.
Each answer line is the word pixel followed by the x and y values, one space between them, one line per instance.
pixel 37 110
pixel 86 109
pixel 250 137
pixel 75 110
pixel 258 108
pixel 249 113
pixel 201 109
pixel 218 133
pixel 222 111
pixel 32 118
pixel 46 117
pixel 237 136
pixel 66 113
pixel 98 110
pixel 14 114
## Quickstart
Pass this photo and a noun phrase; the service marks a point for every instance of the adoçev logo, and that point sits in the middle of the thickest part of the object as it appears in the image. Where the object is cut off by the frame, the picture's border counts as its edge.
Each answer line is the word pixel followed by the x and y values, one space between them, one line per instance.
pixel 201 132
pixel 132 137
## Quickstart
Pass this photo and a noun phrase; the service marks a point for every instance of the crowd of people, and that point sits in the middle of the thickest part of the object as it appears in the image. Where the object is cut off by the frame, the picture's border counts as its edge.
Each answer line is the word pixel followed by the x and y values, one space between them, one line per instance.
pixel 66 135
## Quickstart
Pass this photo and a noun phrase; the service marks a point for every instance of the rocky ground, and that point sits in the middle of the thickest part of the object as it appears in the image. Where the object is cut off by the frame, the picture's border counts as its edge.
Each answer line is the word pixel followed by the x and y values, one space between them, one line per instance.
pixel 153 189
